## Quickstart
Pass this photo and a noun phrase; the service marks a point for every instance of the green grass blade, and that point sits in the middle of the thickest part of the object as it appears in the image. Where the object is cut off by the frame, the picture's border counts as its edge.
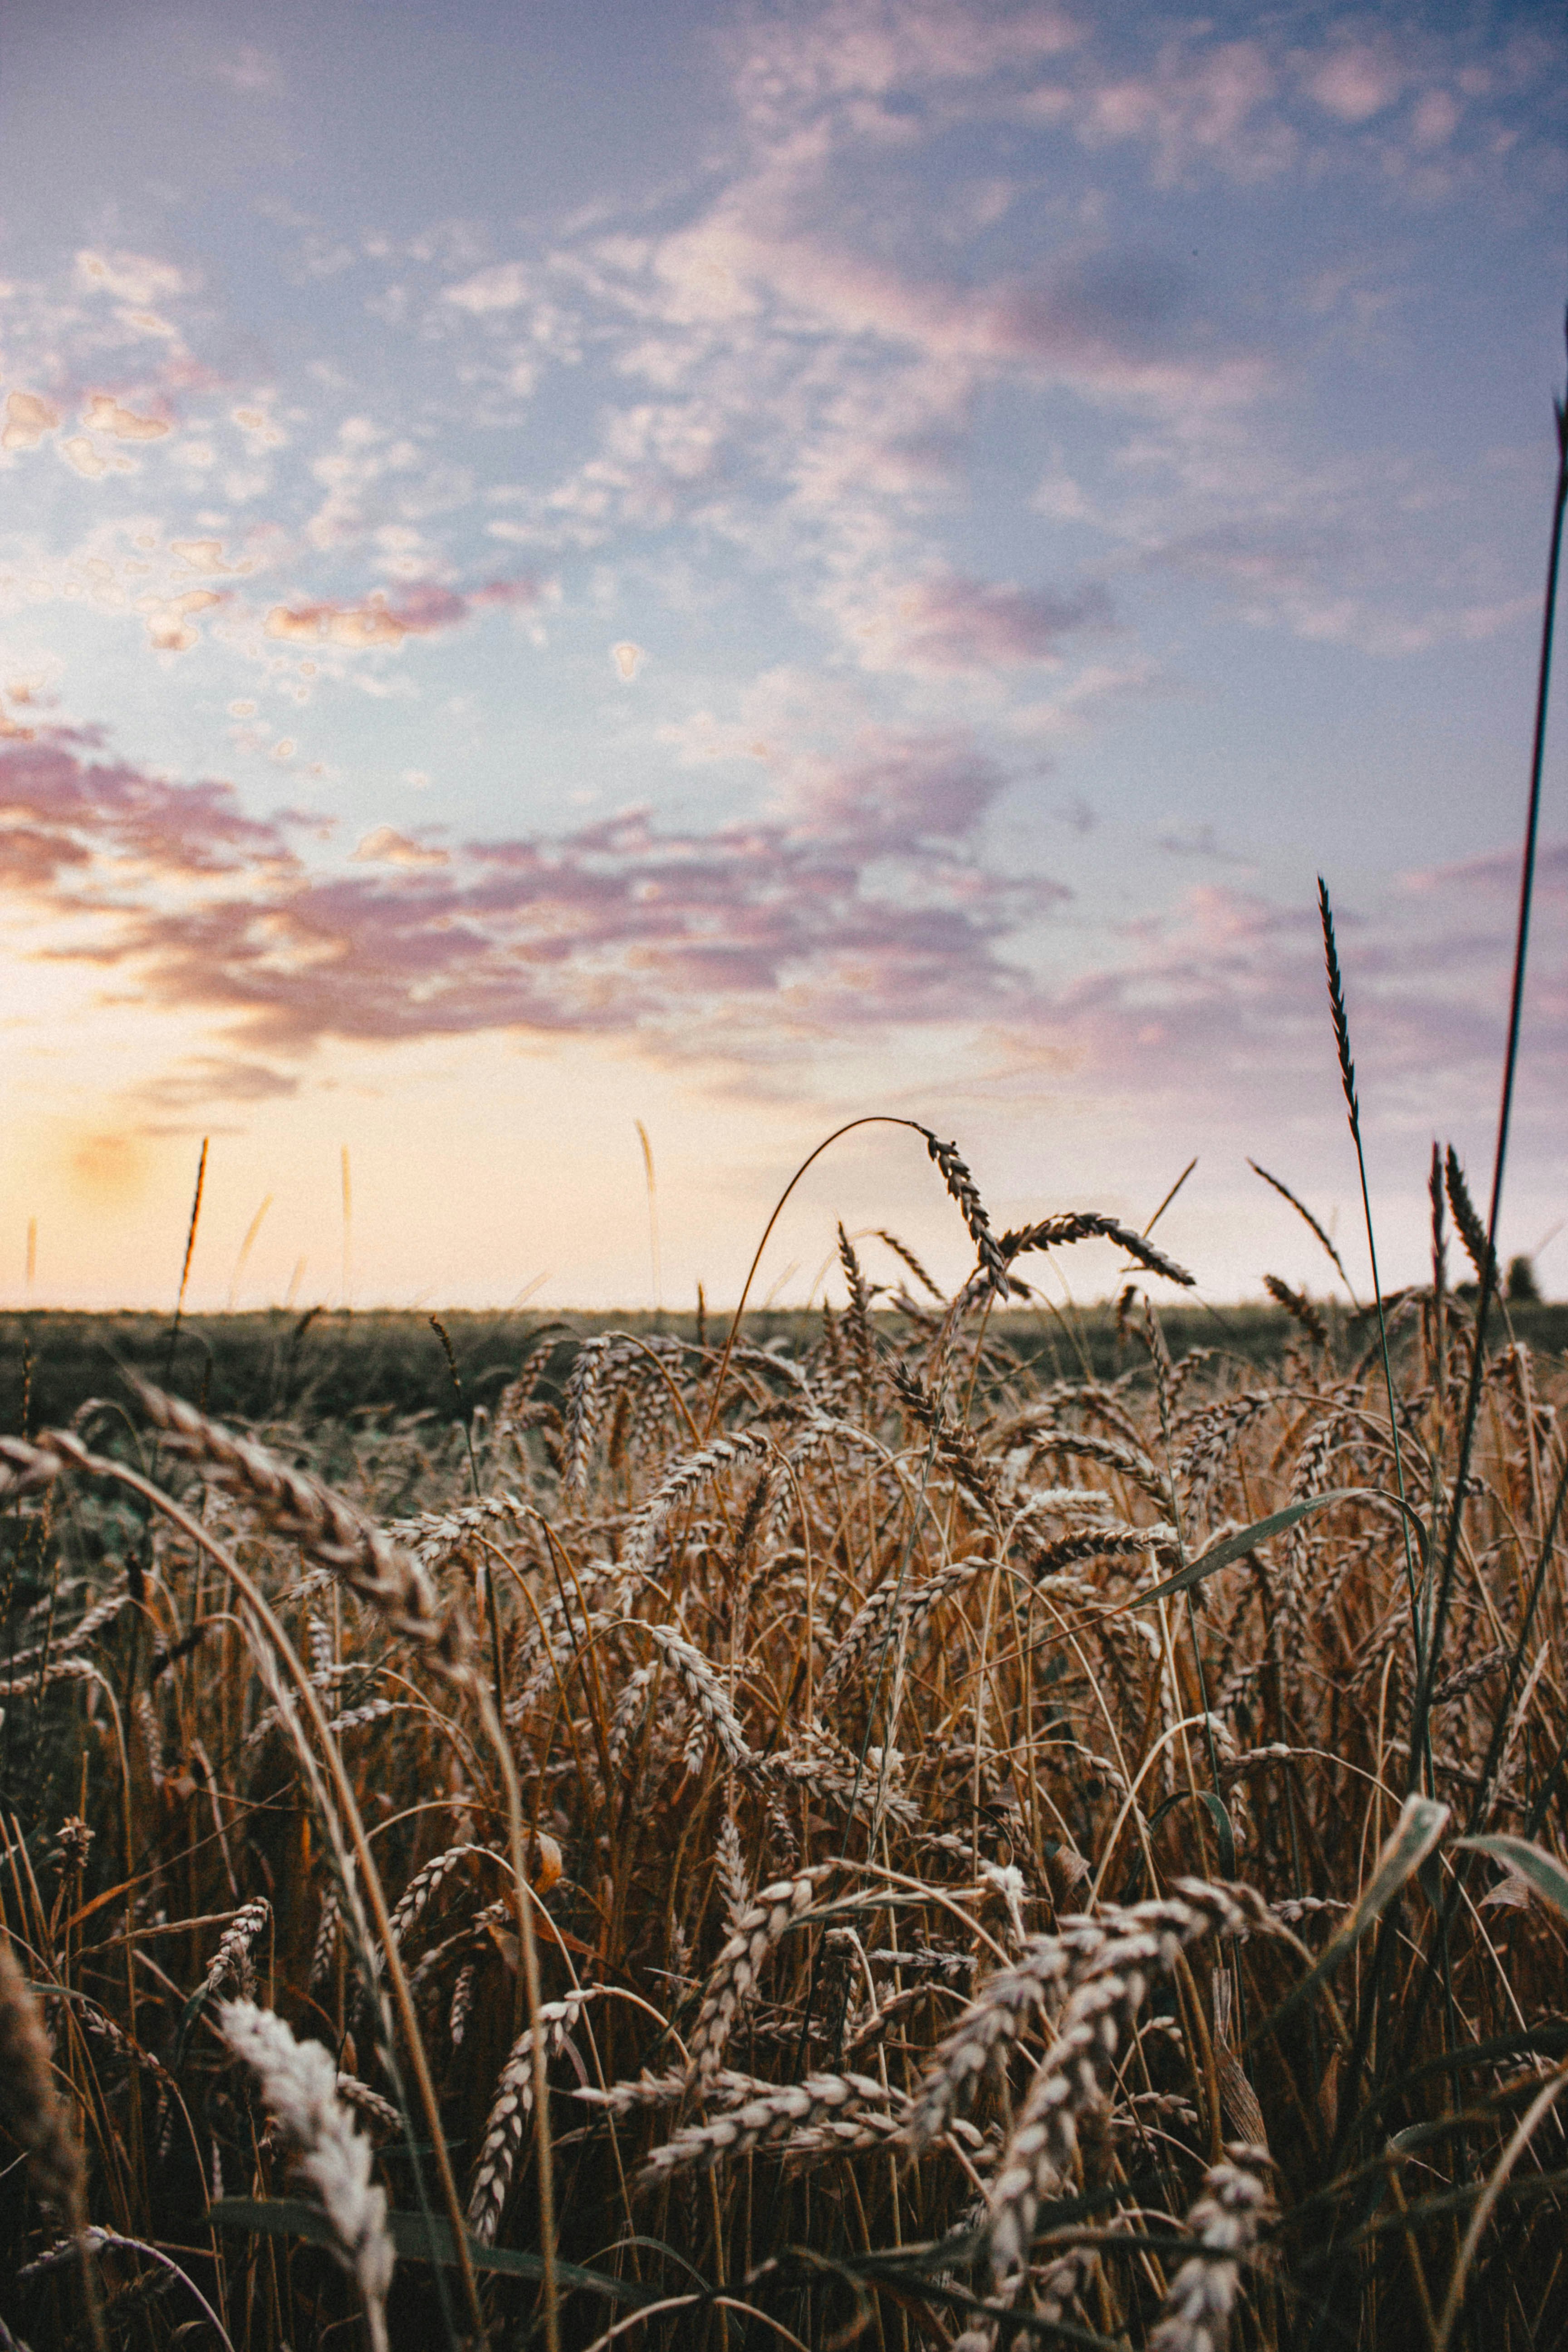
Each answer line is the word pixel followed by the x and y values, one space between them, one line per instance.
pixel 417 2241
pixel 1236 1546
pixel 1543 1870
pixel 1415 1833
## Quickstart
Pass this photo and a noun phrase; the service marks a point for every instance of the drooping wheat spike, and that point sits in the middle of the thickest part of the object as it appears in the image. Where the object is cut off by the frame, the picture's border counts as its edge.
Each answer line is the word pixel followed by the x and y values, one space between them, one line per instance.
pixel 651 2091
pixel 462 2003
pixel 374 1710
pixel 789 2115
pixel 1209 1437
pixel 735 1973
pixel 58 1670
pixel 733 1877
pixel 680 1484
pixel 232 1963
pixel 962 1188
pixel 1297 1305
pixel 86 1629
pixel 580 1410
pixel 1467 1678
pixel 320 1639
pixel 330 1530
pixel 757 1502
pixel 1472 1231
pixel 383 2113
pixel 630 1706
pixel 1085 1226
pixel 1228 2220
pixel 1130 1462
pixel 954 1444
pixel 30 2107
pixel 706 1692
pixel 1046 1561
pixel 1003 2007
pixel 425 1886
pixel 25 1468
pixel 895 1603
pixel 511 2108
pixel 326 1940
pixel 1098 2016
pixel 1242 2110
pixel 299 2087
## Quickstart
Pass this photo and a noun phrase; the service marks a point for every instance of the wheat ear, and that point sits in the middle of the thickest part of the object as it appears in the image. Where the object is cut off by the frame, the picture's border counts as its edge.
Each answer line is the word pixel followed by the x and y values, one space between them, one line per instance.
pixel 1228 2218
pixel 740 1964
pixel 512 2107
pixel 328 1529
pixel 299 2087
pixel 1100 2014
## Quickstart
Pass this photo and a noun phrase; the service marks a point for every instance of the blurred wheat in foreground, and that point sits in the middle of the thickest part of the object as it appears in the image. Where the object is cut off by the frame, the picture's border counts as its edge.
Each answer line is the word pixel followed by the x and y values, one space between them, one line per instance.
pixel 861 1844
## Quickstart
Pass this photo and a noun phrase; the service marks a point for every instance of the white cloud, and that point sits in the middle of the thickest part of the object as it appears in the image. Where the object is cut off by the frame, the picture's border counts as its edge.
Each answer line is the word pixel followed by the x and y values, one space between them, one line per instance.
pixel 505 287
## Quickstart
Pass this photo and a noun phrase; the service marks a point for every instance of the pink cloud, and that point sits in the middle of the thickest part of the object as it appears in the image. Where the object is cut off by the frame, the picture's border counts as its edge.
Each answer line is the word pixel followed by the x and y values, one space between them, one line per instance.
pixel 61 809
pixel 947 622
pixel 1356 80
pixel 860 899
pixel 858 907
pixel 421 609
pixel 1220 1008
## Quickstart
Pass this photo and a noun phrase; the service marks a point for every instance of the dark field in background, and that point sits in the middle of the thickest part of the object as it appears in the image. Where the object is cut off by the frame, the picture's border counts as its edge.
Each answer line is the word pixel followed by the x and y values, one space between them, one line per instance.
pixel 332 1364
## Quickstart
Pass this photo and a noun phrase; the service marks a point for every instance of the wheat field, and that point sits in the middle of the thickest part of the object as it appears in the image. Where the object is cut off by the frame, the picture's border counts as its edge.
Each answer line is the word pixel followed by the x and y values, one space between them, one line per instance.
pixel 856 1839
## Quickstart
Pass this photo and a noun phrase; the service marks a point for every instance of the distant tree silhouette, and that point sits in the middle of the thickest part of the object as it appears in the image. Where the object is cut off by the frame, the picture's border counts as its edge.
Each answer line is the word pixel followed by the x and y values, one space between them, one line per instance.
pixel 1523 1289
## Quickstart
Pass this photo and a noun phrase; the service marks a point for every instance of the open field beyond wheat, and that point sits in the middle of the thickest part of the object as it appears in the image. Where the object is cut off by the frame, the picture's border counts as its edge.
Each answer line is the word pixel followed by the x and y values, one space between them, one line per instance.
pixel 927 1823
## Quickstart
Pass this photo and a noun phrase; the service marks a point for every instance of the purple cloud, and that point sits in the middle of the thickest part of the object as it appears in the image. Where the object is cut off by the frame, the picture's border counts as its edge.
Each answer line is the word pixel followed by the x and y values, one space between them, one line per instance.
pixel 860 897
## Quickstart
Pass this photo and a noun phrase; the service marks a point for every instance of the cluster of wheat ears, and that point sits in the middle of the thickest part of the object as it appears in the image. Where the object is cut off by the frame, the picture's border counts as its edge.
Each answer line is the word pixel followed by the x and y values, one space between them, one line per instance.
pixel 852 1843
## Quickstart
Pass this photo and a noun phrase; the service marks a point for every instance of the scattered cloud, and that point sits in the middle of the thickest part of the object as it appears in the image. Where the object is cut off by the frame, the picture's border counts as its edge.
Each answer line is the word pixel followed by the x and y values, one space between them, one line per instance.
pixel 104 413
pixel 387 847
pixel 169 618
pixel 200 1079
pixel 420 610
pixel 139 279
pixel 253 72
pixel 946 622
pixel 28 418
pixel 64 809
pixel 503 286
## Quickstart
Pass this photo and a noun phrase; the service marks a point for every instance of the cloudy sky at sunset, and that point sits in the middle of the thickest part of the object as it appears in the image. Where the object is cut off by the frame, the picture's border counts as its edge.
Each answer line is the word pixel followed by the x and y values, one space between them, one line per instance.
pixel 728 566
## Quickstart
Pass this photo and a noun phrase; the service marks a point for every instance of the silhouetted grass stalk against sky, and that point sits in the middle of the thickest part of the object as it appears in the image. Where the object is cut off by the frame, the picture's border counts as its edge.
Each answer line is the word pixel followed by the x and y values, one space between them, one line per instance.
pixel 1347 1078
pixel 1510 1072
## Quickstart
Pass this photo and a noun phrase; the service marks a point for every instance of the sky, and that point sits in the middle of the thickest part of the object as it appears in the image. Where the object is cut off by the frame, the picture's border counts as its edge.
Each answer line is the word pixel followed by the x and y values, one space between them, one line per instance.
pixel 720 569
